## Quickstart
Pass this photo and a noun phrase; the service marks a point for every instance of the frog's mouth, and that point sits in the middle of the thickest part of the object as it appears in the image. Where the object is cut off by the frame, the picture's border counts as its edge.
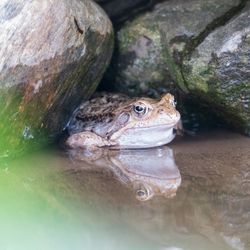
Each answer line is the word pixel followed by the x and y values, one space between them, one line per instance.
pixel 147 130
pixel 165 125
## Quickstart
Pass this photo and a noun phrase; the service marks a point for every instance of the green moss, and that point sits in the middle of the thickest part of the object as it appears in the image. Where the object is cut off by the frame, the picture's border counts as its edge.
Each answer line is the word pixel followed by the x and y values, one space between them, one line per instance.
pixel 19 134
pixel 239 88
pixel 196 83
pixel 173 69
pixel 220 108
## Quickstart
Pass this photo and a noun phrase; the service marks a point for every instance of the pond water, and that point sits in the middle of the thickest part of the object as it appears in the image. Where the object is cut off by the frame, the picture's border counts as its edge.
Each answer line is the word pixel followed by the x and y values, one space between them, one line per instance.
pixel 194 194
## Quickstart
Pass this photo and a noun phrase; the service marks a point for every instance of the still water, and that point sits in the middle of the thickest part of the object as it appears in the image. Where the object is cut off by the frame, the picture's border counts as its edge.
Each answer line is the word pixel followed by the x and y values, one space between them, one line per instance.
pixel 194 194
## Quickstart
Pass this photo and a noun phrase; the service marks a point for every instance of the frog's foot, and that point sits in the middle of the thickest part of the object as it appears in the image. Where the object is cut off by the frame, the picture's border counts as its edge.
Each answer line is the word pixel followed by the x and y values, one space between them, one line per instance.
pixel 86 140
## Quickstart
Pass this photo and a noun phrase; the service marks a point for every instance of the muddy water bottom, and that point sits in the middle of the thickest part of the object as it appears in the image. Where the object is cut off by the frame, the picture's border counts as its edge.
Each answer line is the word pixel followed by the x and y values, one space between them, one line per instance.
pixel 51 200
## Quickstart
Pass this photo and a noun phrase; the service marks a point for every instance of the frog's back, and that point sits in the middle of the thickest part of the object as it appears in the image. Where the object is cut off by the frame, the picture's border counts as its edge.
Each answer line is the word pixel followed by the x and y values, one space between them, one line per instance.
pixel 96 114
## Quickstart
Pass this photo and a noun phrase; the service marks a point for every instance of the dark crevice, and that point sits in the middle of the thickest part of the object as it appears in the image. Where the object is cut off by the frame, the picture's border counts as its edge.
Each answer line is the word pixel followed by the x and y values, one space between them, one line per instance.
pixel 121 11
pixel 194 42
pixel 77 26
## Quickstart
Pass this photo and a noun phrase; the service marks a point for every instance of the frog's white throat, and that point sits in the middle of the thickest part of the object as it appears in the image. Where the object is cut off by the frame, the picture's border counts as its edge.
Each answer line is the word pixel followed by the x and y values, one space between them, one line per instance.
pixel 145 137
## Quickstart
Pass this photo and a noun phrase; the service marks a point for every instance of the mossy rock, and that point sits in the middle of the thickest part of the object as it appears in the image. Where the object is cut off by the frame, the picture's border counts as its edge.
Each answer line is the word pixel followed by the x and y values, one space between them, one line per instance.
pixel 146 60
pixel 219 70
pixel 181 47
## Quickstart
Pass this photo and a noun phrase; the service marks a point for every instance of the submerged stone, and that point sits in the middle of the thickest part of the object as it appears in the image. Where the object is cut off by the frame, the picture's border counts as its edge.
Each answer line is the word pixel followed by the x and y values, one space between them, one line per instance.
pixel 52 56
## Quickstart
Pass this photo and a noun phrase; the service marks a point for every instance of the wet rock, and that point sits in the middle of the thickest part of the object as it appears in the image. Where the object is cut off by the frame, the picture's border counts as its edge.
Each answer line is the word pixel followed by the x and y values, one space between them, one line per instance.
pixel 149 46
pixel 199 47
pixel 119 11
pixel 52 55
pixel 218 69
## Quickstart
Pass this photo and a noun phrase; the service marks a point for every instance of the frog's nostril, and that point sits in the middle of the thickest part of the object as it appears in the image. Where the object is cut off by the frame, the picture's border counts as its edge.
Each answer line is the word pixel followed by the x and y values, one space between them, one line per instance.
pixel 161 111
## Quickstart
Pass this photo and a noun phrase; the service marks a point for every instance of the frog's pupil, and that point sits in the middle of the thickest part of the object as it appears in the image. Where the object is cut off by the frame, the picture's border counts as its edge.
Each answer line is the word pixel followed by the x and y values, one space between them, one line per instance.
pixel 139 109
pixel 141 193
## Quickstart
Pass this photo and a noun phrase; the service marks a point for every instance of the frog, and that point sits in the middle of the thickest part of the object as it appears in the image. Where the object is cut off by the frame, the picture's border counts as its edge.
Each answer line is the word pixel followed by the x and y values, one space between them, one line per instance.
pixel 117 121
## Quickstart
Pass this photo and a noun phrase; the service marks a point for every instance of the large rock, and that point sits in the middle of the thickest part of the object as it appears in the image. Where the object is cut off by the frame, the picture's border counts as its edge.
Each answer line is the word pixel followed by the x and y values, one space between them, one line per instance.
pixel 52 55
pixel 219 70
pixel 157 52
pixel 145 58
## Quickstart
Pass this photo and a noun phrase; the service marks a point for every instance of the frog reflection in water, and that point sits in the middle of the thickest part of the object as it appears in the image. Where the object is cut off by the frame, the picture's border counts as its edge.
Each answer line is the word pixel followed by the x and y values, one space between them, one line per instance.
pixel 117 121
pixel 157 175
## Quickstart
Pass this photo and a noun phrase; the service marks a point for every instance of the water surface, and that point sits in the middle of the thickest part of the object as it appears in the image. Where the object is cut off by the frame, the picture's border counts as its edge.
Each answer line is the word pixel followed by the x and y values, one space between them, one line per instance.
pixel 50 200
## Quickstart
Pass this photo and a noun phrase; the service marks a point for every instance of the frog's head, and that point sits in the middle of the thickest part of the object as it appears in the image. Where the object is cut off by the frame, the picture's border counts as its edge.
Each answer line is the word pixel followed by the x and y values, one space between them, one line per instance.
pixel 145 122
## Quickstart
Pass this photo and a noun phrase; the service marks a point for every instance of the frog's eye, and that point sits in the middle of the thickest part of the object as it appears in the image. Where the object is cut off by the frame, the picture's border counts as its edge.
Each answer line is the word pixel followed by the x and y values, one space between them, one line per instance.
pixel 140 109
pixel 144 191
pixel 173 102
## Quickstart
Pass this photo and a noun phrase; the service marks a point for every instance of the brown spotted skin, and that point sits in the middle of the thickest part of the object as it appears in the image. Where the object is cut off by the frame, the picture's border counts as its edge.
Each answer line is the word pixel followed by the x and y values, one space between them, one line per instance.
pixel 97 114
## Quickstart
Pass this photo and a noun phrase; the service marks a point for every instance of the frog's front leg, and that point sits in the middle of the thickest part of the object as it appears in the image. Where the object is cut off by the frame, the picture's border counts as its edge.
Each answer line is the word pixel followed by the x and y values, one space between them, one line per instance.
pixel 87 139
